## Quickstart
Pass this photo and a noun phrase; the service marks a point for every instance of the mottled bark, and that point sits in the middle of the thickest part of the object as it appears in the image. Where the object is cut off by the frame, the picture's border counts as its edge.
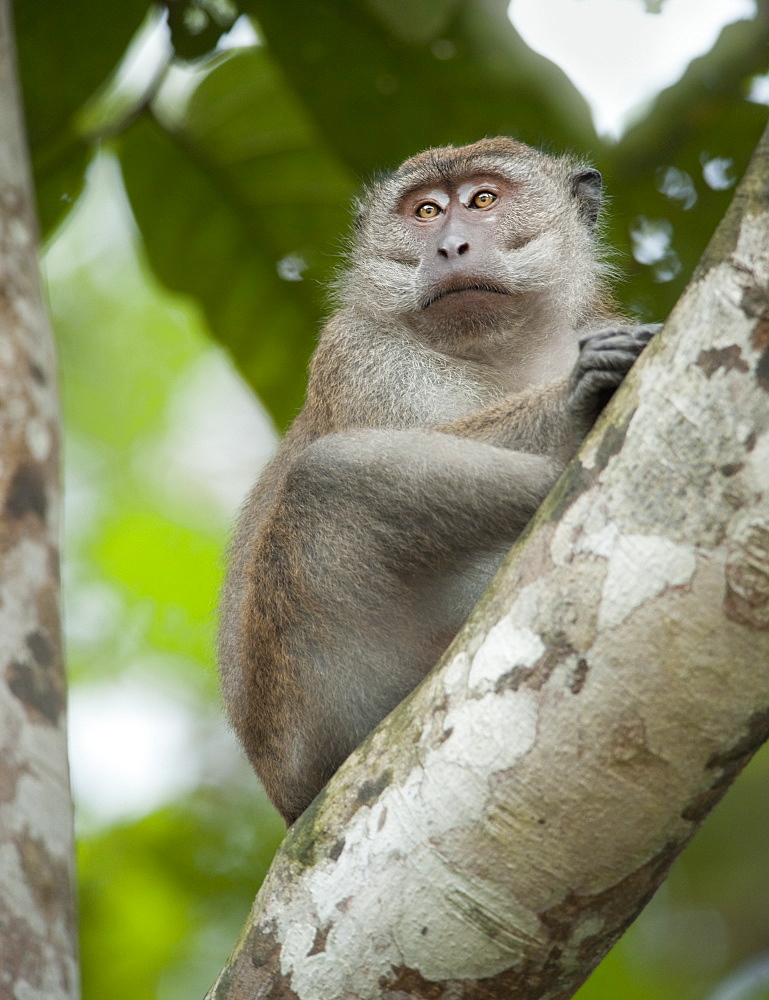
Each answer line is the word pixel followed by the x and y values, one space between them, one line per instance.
pixel 37 924
pixel 494 837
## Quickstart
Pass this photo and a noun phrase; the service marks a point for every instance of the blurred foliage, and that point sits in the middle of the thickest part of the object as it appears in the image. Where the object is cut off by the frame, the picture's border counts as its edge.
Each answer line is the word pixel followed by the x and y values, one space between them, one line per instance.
pixel 197 25
pixel 240 165
pixel 66 51
pixel 409 75
pixel 247 189
pixel 164 899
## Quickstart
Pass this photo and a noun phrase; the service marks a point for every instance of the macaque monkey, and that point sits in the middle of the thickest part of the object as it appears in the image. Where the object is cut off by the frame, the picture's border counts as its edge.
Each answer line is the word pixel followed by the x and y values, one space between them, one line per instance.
pixel 473 347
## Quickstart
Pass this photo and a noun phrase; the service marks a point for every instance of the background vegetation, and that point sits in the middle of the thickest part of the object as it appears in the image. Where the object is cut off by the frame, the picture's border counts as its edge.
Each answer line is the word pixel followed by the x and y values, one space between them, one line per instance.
pixel 212 218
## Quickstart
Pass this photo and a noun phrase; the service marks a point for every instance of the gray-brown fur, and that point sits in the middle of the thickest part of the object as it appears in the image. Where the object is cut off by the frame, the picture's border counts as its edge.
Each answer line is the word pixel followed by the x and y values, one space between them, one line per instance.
pixel 457 377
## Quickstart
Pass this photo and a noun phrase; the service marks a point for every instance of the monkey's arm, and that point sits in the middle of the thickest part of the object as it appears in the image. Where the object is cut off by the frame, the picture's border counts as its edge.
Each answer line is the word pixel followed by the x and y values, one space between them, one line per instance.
pixel 554 419
pixel 531 421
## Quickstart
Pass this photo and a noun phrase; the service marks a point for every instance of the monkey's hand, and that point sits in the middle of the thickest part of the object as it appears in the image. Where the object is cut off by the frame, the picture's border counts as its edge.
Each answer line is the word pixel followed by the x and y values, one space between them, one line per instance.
pixel 604 360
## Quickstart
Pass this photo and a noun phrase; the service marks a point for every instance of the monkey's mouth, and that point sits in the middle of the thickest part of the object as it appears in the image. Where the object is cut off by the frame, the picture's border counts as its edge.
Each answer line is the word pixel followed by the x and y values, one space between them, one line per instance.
pixel 462 286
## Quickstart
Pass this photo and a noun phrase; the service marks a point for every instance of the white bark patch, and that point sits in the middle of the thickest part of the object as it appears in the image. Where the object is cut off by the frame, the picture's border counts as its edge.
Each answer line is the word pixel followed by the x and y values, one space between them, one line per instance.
pixel 585 518
pixel 38 438
pixel 18 233
pixel 641 567
pixel 16 892
pixel 600 543
pixel 505 647
pixel 430 907
pixel 296 944
pixel 757 464
pixel 494 738
pixel 751 245
pixel 27 566
pixel 455 674
pixel 585 929
pixel 39 805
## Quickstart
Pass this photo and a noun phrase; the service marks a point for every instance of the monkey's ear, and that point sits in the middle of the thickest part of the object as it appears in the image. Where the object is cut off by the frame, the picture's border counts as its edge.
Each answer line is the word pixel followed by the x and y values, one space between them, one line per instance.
pixel 586 186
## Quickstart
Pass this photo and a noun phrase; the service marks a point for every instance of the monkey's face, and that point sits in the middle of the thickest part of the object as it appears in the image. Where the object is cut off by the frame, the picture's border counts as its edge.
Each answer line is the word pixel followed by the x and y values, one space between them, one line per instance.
pixel 468 245
pixel 468 237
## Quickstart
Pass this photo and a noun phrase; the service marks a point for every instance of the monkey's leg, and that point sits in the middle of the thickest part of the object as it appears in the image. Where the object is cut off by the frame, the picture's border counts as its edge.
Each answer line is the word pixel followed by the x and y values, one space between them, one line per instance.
pixel 416 499
pixel 398 532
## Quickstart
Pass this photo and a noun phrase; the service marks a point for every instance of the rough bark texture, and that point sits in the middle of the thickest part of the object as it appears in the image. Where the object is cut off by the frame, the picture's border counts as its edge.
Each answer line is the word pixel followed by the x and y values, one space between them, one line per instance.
pixel 495 836
pixel 37 924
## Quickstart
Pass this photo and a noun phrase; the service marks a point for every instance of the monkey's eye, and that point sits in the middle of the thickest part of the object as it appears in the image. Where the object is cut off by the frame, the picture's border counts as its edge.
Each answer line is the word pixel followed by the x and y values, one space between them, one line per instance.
pixel 428 210
pixel 483 199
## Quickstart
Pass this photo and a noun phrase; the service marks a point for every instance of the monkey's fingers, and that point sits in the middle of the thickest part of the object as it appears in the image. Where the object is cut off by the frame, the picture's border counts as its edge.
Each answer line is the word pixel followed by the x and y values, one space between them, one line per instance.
pixel 616 359
pixel 616 342
pixel 595 383
pixel 591 394
pixel 642 334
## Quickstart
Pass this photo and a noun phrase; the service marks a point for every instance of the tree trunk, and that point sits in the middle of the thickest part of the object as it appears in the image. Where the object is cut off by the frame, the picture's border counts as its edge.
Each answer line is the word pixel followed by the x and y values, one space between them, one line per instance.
pixel 499 831
pixel 37 919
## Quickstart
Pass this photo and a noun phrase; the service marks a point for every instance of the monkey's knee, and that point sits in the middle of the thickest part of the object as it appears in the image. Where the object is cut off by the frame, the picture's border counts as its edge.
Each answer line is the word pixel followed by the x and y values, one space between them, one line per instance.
pixel 342 486
pixel 330 465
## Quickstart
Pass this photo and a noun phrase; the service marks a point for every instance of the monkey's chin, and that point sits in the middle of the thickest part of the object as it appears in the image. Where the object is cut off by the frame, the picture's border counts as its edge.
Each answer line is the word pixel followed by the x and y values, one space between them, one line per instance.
pixel 469 314
pixel 474 295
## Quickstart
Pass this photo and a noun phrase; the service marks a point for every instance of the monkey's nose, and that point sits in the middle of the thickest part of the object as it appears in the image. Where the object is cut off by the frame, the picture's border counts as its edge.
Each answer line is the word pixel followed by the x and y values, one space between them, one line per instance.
pixel 453 246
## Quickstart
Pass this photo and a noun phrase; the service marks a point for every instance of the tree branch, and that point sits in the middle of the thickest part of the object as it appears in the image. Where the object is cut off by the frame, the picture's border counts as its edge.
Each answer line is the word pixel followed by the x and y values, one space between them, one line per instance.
pixel 504 825
pixel 37 921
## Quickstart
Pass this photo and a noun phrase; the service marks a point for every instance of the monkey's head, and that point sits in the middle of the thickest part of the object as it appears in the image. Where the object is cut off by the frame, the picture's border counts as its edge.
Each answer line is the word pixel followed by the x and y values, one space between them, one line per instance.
pixel 469 242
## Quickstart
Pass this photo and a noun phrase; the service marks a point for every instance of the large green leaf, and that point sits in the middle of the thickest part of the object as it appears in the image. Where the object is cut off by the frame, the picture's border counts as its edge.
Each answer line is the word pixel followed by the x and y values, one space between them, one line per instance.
pixel 66 52
pixel 243 210
pixel 385 78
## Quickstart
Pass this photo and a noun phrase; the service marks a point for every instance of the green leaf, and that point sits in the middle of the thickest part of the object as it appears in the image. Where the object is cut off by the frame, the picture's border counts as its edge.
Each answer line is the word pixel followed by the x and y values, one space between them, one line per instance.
pixel 66 51
pixel 383 79
pixel 243 210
